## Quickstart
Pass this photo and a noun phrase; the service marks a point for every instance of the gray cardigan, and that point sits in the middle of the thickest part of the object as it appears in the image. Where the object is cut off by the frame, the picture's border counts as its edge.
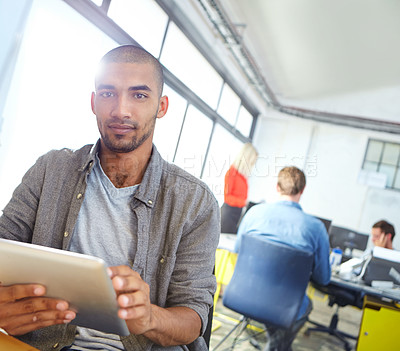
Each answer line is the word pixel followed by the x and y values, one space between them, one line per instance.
pixel 177 232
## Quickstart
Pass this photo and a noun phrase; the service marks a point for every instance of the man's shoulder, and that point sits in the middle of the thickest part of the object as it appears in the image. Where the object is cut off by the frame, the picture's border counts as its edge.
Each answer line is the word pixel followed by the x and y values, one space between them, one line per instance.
pixel 182 192
pixel 313 220
pixel 305 220
pixel 262 209
pixel 63 153
pixel 67 157
pixel 178 180
pixel 172 172
pixel 314 224
pixel 62 162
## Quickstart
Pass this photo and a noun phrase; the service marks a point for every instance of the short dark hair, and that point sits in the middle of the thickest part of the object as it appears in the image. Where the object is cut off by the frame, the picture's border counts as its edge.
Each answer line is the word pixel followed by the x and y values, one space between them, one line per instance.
pixel 291 180
pixel 135 54
pixel 386 227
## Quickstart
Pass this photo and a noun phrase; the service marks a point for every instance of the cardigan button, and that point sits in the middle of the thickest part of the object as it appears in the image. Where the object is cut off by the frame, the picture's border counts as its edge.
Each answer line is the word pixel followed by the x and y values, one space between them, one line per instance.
pixel 79 196
pixel 55 345
pixel 150 202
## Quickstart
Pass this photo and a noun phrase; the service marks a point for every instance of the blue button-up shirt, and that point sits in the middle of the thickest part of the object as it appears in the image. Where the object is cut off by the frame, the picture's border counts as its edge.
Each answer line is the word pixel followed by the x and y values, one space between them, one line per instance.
pixel 285 222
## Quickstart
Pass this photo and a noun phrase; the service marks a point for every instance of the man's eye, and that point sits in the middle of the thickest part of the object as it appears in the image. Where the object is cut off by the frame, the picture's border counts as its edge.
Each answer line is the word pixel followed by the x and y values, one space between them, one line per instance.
pixel 139 96
pixel 106 94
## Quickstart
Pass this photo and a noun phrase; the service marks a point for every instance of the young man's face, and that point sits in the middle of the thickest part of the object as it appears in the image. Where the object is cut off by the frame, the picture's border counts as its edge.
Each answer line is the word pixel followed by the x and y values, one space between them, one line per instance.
pixel 126 104
pixel 378 237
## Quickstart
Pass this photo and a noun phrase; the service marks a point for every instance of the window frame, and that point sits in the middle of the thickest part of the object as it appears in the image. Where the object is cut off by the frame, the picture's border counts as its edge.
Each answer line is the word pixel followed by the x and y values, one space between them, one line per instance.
pixel 380 162
pixel 98 16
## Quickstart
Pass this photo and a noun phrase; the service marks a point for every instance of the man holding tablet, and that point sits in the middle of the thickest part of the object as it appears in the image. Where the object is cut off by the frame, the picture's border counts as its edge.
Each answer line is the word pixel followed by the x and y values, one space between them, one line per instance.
pixel 155 226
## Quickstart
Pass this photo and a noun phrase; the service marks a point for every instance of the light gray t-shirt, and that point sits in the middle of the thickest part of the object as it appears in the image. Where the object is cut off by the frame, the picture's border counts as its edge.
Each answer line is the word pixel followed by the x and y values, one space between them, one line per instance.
pixel 104 229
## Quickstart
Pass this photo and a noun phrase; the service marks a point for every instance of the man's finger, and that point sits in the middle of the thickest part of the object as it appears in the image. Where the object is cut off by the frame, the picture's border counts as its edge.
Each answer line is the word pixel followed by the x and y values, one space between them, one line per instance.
pixel 121 271
pixel 131 299
pixel 32 305
pixel 20 291
pixel 29 322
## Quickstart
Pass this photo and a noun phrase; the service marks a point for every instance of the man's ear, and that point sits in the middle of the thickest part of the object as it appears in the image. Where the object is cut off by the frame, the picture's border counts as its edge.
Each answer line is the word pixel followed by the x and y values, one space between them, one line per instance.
pixel 389 236
pixel 162 106
pixel 92 101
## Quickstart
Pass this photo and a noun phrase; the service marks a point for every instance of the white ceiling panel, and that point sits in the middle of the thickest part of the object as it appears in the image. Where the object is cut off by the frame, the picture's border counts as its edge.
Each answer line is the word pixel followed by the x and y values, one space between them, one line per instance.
pixel 340 56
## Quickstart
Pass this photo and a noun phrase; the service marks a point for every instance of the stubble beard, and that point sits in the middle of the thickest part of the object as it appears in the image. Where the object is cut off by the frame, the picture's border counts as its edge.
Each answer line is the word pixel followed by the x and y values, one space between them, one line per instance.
pixel 130 145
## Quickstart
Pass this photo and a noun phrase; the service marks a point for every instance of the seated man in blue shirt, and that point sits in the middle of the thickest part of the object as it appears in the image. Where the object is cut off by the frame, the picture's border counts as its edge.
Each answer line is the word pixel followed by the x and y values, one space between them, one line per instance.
pixel 285 222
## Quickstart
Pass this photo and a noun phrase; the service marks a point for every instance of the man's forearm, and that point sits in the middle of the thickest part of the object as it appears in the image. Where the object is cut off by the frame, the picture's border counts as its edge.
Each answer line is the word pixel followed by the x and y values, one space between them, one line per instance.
pixel 174 326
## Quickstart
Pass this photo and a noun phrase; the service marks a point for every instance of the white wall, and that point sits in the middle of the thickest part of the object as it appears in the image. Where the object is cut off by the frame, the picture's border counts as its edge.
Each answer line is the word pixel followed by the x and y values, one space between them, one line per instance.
pixel 331 157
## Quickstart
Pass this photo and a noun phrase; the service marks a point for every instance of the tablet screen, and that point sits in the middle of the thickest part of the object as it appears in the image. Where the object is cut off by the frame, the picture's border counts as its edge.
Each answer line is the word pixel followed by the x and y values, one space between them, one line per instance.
pixel 82 280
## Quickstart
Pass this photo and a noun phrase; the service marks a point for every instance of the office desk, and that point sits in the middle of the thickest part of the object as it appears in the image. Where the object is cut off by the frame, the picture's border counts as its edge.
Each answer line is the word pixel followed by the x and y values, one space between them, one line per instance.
pixel 227 242
pixel 9 343
pixel 380 324
pixel 225 262
pixel 381 313
pixel 365 290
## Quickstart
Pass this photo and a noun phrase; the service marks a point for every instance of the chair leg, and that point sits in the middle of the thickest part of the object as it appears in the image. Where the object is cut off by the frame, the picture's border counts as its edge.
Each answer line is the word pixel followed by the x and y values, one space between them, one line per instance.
pixel 243 322
pixel 332 330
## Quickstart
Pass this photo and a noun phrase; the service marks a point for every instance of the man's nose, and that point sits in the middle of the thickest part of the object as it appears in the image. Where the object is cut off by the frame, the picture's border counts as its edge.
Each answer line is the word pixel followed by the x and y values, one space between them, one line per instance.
pixel 121 107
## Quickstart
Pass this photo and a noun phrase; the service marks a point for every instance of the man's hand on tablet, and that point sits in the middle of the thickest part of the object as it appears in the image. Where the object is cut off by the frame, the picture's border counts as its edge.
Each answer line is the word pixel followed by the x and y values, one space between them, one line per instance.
pixel 164 326
pixel 24 308
pixel 133 296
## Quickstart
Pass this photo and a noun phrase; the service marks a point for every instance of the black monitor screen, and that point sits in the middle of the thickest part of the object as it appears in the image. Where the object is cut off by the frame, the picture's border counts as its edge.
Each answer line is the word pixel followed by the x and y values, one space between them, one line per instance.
pixel 384 265
pixel 327 222
pixel 250 205
pixel 347 239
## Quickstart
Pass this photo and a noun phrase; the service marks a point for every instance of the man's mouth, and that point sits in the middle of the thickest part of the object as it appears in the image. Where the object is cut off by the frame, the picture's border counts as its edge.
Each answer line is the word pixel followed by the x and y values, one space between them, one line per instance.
pixel 121 128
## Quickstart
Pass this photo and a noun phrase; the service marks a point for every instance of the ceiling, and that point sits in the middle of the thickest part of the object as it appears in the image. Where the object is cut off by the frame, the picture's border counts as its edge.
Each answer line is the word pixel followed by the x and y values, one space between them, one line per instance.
pixel 338 60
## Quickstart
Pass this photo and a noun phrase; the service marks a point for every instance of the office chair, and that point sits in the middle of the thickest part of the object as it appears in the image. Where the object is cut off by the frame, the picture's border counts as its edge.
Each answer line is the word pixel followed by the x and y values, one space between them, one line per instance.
pixel 340 298
pixel 268 284
pixel 207 332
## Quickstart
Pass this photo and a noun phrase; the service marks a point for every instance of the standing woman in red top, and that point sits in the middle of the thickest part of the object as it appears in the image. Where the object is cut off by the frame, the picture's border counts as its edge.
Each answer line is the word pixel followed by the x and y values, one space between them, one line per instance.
pixel 236 188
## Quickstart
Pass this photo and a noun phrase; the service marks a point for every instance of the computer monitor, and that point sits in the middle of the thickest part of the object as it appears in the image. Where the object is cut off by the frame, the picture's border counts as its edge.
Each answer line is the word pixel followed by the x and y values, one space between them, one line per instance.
pixel 250 204
pixel 327 222
pixel 383 266
pixel 347 239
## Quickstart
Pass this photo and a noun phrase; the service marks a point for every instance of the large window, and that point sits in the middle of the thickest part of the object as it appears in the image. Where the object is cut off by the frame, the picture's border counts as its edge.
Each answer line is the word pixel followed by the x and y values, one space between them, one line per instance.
pixel 229 104
pixel 193 143
pixel 384 157
pixel 219 159
pixel 142 20
pixel 168 128
pixel 244 122
pixel 48 102
pixel 181 57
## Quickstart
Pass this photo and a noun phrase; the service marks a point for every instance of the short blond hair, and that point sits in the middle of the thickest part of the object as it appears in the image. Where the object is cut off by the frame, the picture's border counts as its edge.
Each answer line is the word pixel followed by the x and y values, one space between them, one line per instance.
pixel 246 159
pixel 291 180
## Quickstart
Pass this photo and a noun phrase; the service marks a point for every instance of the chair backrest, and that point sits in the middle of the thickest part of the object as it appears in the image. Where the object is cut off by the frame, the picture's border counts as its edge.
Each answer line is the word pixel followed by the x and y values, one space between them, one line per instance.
pixel 269 281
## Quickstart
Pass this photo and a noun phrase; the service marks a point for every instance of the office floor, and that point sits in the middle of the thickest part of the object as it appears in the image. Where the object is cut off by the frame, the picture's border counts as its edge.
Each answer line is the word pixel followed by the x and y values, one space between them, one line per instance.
pixel 349 321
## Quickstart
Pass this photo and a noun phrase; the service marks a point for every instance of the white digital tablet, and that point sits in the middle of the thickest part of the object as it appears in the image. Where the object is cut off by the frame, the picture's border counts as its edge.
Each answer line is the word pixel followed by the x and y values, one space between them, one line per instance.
pixel 81 280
